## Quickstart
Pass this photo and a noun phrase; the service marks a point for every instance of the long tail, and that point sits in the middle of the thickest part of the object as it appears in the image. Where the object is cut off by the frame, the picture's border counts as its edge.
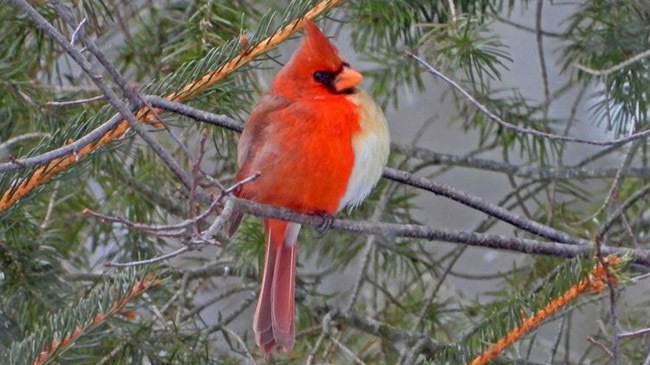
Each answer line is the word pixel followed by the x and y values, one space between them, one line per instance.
pixel 274 316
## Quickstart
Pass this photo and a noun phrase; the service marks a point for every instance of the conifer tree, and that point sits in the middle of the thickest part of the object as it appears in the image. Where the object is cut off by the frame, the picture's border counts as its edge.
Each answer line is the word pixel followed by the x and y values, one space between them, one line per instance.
pixel 118 129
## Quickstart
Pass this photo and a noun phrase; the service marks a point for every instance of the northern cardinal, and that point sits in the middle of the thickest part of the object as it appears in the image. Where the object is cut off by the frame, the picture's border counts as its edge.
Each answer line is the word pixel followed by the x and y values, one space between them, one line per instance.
pixel 320 144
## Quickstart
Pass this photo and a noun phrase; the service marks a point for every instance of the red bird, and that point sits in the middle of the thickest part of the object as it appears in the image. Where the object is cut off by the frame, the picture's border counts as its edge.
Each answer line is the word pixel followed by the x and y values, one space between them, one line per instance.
pixel 320 144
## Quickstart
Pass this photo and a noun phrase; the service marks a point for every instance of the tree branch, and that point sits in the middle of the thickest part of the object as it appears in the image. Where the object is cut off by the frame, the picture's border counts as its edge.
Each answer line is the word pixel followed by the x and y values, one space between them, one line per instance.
pixel 515 128
pixel 494 241
pixel 617 67
pixel 481 205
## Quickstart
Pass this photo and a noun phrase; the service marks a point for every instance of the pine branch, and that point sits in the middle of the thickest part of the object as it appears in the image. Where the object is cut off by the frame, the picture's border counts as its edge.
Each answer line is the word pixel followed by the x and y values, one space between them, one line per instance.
pixel 69 326
pixel 596 281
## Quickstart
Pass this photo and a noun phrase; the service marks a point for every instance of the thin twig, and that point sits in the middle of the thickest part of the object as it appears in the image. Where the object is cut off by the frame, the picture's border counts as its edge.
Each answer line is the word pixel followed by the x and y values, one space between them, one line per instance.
pixel 231 317
pixel 481 205
pixel 149 261
pixel 601 346
pixel 616 67
pixel 557 340
pixel 50 205
pixel 8 144
pixel 314 350
pixel 518 129
pixel 181 298
pixel 452 10
pixel 69 149
pixel 368 247
pixel 541 55
pixel 195 172
pixel 545 33
pixel 609 222
pixel 575 172
pixel 161 230
pixel 415 352
pixel 616 184
pixel 241 343
pixel 647 359
pixel 347 351
pixel 77 102
pixel 429 300
pixel 197 114
pixel 109 356
pixel 325 322
pixel 225 294
pixel 609 281
pixel 76 31
pixel 641 332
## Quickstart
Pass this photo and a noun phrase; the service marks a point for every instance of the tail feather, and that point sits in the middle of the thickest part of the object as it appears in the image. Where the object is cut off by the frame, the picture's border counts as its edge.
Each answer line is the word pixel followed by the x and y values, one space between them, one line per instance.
pixel 262 324
pixel 274 316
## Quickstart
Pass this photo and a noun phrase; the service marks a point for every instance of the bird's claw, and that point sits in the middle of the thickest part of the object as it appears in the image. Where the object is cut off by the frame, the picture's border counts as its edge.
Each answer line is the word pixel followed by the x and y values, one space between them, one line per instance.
pixel 325 225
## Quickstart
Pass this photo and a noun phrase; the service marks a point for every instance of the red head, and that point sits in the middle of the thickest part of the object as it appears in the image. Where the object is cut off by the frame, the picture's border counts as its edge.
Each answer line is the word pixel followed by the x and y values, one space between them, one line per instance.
pixel 315 69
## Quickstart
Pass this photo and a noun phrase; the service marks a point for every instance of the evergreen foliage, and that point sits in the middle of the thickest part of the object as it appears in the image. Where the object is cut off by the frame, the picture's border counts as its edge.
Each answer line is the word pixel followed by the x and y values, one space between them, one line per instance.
pixel 60 304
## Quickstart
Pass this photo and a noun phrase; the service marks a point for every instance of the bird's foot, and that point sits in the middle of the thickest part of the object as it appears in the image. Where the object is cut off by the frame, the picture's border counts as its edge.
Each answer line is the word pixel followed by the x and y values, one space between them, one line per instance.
pixel 325 225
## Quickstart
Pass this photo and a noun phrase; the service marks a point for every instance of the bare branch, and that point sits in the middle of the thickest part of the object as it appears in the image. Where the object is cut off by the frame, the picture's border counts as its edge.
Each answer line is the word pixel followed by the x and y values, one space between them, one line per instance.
pixel 616 67
pixel 641 332
pixel 515 128
pixel 601 346
pixel 197 114
pixel 8 144
pixel 77 102
pixel 494 241
pixel 150 261
pixel 76 31
pixel 604 228
pixel 545 33
pixel 481 205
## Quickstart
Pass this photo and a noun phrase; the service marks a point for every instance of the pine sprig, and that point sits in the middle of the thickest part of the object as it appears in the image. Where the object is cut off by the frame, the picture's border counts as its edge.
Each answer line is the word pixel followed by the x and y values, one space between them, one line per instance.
pixel 510 324
pixel 62 330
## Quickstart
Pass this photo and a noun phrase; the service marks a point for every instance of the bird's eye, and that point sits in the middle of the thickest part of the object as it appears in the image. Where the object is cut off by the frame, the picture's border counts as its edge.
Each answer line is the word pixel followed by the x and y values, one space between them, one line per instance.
pixel 324 77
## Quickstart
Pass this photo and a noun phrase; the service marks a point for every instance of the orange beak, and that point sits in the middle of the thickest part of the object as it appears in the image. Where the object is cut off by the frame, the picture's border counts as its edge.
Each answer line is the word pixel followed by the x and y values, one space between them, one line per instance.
pixel 347 79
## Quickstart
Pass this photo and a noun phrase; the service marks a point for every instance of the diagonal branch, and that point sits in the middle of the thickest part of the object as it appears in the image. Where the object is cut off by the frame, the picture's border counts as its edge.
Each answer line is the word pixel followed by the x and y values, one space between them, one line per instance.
pixel 481 205
pixel 619 66
pixel 518 129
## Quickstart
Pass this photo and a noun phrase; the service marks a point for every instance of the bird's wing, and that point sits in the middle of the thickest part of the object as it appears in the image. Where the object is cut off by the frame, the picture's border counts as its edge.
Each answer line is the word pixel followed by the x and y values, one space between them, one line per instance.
pixel 257 125
pixel 255 130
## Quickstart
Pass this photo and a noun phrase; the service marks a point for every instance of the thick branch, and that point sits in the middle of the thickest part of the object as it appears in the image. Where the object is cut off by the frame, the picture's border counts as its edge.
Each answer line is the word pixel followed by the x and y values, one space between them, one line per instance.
pixel 482 205
pixel 494 241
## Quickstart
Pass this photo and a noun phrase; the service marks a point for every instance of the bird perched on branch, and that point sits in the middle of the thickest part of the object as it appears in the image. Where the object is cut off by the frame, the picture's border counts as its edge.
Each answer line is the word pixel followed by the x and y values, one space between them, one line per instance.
pixel 320 144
